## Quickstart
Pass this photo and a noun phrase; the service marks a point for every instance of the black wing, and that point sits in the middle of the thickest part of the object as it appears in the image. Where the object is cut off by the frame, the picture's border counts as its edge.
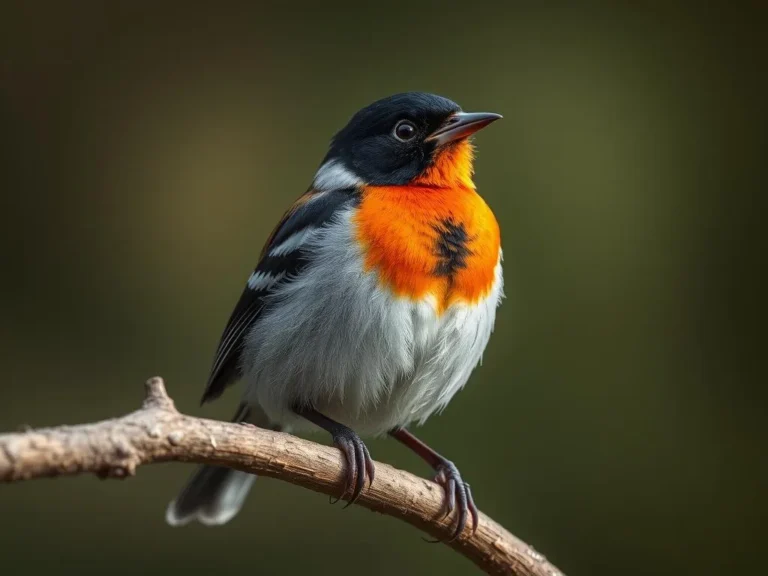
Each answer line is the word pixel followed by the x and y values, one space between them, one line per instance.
pixel 311 210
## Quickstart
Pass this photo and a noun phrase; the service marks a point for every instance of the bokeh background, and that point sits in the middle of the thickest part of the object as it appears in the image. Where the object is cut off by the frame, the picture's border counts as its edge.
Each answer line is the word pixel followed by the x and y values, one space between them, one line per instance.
pixel 148 148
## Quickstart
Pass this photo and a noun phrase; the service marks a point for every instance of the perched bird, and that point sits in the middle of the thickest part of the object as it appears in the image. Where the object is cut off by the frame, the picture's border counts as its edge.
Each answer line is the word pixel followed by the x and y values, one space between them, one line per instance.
pixel 372 301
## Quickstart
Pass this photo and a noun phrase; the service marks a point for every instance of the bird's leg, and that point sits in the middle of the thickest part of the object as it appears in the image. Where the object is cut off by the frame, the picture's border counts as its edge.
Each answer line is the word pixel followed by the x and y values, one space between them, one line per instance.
pixel 355 452
pixel 457 492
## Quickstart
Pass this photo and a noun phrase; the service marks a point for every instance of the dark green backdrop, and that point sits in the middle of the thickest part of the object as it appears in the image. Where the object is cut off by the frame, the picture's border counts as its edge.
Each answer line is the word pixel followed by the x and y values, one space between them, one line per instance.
pixel 149 149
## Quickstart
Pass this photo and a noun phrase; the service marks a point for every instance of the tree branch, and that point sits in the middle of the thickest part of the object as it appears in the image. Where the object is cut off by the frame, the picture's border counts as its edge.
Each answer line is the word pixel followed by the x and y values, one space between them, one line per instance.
pixel 157 432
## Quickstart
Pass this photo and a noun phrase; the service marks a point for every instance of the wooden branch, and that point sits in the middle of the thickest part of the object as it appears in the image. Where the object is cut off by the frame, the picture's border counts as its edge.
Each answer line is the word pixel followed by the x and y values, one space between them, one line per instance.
pixel 157 432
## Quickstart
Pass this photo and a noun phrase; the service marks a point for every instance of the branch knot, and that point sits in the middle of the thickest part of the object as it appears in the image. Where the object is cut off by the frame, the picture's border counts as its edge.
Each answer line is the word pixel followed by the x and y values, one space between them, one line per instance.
pixel 155 395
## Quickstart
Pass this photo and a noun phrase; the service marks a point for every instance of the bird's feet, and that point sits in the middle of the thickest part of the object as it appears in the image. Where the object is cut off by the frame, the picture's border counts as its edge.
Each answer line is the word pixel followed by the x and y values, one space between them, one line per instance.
pixel 458 496
pixel 359 462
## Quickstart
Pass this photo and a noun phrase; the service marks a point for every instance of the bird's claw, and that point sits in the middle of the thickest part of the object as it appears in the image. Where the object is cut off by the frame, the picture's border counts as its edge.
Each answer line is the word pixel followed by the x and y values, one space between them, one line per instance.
pixel 359 463
pixel 457 496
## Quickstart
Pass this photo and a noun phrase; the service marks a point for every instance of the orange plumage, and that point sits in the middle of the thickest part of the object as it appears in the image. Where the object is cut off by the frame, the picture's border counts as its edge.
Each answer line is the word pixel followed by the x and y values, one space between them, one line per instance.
pixel 399 229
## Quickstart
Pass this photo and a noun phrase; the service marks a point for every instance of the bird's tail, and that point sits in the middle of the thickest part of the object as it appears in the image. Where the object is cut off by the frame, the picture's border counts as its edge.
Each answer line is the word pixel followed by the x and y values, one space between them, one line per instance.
pixel 214 494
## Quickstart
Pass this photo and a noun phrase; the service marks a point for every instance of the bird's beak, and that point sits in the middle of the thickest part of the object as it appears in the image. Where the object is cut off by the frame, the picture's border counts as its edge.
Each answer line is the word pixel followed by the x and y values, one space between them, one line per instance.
pixel 460 125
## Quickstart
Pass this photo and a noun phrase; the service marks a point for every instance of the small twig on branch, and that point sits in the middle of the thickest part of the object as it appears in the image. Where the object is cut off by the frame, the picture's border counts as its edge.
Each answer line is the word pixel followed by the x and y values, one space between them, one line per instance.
pixel 159 433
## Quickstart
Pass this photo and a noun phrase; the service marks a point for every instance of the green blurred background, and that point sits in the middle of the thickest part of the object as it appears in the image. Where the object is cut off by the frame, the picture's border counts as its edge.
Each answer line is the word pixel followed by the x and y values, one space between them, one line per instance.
pixel 148 150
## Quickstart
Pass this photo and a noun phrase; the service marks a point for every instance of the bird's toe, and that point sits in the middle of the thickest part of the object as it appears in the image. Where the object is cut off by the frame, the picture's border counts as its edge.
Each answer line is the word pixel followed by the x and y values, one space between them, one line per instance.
pixel 458 496
pixel 359 463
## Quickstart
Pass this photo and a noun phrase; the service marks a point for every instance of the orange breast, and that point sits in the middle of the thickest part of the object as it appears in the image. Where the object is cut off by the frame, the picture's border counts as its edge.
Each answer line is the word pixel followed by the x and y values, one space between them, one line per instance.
pixel 429 241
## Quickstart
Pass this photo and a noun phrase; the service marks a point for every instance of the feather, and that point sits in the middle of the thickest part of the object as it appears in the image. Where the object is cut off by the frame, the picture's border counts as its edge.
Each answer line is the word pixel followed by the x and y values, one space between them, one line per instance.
pixel 282 260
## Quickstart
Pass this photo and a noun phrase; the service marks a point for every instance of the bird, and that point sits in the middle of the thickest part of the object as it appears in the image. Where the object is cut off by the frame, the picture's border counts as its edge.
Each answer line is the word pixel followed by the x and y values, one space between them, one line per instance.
pixel 371 304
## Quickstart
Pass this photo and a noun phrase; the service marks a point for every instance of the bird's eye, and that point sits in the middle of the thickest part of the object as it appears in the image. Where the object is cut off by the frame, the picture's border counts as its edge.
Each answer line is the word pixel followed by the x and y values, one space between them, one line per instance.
pixel 405 130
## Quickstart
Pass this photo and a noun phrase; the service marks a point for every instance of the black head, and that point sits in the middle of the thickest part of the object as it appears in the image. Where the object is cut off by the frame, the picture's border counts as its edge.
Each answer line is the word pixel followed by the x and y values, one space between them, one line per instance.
pixel 395 139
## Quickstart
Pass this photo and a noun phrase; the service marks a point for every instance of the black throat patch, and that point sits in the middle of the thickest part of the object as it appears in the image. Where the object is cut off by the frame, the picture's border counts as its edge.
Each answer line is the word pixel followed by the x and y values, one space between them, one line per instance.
pixel 451 247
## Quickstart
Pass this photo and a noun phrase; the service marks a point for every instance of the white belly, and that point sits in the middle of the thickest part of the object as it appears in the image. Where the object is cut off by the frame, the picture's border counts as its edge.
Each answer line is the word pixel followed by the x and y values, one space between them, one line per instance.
pixel 334 339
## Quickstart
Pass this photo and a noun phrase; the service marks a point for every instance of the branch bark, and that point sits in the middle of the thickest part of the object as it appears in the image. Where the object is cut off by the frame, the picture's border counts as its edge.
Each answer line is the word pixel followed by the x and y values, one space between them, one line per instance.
pixel 157 432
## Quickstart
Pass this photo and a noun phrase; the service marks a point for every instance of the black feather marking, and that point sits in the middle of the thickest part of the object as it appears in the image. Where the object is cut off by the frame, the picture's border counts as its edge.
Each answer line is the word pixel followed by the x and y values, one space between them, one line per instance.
pixel 315 212
pixel 224 368
pixel 288 264
pixel 451 247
